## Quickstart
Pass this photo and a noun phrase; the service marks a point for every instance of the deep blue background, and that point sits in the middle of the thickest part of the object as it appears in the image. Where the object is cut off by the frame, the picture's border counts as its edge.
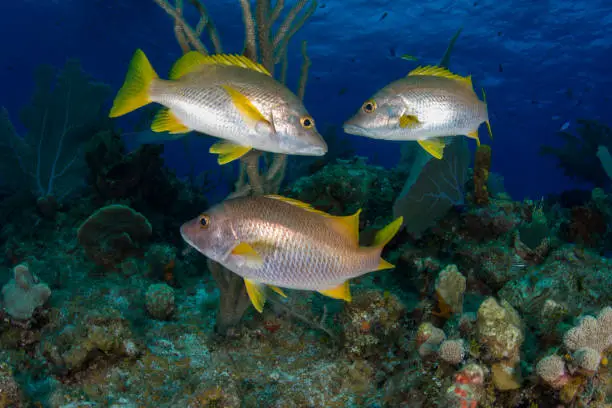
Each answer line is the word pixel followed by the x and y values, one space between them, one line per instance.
pixel 556 58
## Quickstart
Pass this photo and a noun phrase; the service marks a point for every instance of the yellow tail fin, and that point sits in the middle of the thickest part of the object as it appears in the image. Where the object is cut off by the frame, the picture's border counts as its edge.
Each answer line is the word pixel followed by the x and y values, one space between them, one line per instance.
pixel 134 93
pixel 386 234
pixel 484 99
pixel 383 237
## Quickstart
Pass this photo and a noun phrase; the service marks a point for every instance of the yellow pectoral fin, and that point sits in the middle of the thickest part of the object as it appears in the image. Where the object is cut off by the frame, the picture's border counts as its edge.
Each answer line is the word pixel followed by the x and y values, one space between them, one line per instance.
pixel 257 294
pixel 165 121
pixel 474 135
pixel 248 253
pixel 134 93
pixel 435 147
pixel 248 111
pixel 341 291
pixel 408 121
pixel 228 151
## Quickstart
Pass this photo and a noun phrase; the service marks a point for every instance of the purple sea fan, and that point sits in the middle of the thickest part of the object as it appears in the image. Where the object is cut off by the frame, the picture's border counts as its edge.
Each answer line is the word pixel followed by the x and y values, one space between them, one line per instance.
pixel 433 188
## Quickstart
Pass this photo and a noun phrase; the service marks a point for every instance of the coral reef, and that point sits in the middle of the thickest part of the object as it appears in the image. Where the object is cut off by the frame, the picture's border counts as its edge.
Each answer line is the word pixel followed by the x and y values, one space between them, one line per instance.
pixel 24 293
pixel 159 301
pixel 65 110
pixel 112 234
pixel 433 187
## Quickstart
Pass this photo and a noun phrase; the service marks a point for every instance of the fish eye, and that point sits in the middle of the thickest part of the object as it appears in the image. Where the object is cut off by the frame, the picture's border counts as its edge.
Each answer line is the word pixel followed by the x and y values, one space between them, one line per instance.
pixel 369 106
pixel 204 221
pixel 307 122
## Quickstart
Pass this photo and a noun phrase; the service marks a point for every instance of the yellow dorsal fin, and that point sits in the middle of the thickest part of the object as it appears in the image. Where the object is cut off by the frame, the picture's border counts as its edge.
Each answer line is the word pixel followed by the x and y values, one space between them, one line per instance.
pixel 186 64
pixel 298 203
pixel 341 291
pixel 387 233
pixel 474 135
pixel 257 294
pixel 435 147
pixel 408 121
pixel 484 99
pixel 347 226
pixel 165 121
pixel 228 151
pixel 248 111
pixel 277 290
pixel 432 70
pixel 193 60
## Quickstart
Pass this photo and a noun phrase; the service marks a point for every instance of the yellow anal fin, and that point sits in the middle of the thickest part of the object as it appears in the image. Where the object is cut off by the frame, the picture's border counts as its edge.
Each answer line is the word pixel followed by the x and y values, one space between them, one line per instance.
pixel 277 290
pixel 435 147
pixel 442 73
pixel 250 255
pixel 408 121
pixel 385 235
pixel 474 135
pixel 248 111
pixel 165 121
pixel 382 264
pixel 257 294
pixel 484 99
pixel 341 291
pixel 134 93
pixel 228 151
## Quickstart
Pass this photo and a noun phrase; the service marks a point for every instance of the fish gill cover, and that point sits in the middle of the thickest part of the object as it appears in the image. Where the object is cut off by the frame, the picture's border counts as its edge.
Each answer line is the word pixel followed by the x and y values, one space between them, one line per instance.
pixel 431 270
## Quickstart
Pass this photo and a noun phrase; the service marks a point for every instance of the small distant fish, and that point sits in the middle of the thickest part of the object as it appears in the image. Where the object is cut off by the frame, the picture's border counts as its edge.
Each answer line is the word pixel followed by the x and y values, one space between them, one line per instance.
pixel 284 243
pixel 409 57
pixel 342 91
pixel 565 126
pixel 226 96
pixel 384 15
pixel 556 117
pixel 501 68
pixel 427 105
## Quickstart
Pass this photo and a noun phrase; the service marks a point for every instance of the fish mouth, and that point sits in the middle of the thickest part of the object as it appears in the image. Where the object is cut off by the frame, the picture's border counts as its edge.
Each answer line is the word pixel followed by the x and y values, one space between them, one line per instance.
pixel 355 130
pixel 318 148
pixel 185 236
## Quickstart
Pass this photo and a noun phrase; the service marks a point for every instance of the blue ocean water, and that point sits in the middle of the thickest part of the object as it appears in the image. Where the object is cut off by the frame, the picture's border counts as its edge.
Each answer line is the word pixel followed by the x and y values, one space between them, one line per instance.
pixel 115 294
pixel 553 56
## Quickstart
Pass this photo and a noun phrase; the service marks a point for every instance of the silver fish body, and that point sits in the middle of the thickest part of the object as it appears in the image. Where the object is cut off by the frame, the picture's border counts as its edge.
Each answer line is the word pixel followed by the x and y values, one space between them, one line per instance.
pixel 440 107
pixel 226 96
pixel 200 101
pixel 300 248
